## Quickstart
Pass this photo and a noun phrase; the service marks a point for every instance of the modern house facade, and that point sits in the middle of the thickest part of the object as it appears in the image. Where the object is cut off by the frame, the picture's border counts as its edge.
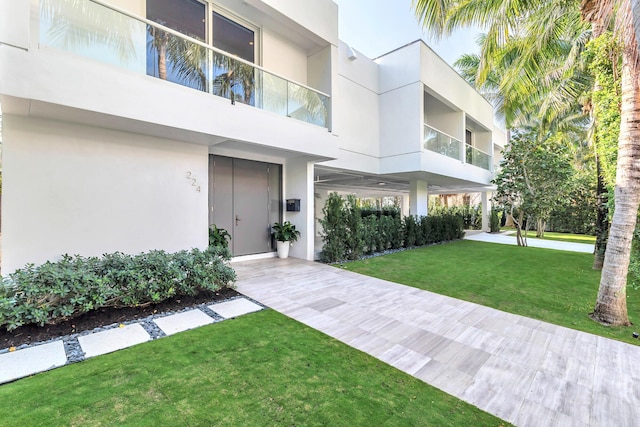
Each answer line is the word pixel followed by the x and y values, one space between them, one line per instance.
pixel 132 125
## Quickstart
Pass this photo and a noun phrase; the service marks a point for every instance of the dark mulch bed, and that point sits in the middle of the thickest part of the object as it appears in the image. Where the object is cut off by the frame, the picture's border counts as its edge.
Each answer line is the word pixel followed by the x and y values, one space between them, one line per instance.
pixel 30 334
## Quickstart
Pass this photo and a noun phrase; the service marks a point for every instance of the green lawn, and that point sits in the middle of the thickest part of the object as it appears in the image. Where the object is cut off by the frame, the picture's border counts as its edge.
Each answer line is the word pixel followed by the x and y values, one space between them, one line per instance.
pixel 554 286
pixel 562 237
pixel 262 369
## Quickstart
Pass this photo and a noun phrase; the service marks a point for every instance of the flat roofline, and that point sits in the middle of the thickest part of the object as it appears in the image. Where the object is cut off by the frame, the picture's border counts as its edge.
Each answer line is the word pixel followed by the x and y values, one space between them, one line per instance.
pixel 445 62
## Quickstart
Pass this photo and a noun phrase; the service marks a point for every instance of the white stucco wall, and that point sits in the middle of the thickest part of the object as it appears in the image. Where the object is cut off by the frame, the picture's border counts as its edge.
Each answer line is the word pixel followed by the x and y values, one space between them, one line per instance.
pixel 85 190
pixel 111 97
pixel 322 69
pixel 401 115
pixel 357 109
pixel 449 122
pixel 298 184
pixel 14 23
pixel 483 142
pixel 283 57
pixel 400 67
pixel 318 16
pixel 440 78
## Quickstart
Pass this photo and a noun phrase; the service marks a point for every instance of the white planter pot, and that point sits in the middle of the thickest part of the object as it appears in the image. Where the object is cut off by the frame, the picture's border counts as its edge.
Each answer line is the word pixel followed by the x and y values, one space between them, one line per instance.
pixel 283 249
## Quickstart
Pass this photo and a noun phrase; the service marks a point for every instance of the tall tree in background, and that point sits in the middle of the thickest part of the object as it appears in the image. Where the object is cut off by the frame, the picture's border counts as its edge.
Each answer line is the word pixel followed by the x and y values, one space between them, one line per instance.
pixel 534 178
pixel 611 305
pixel 505 20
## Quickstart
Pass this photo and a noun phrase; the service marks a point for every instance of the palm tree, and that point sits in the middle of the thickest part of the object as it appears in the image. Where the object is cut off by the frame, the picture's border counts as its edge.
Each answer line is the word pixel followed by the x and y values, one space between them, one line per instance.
pixel 506 19
pixel 178 59
pixel 611 306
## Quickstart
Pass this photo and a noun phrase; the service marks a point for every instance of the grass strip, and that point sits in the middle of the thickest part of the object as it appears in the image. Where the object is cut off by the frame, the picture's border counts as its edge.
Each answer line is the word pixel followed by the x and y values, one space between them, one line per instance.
pixel 553 286
pixel 260 369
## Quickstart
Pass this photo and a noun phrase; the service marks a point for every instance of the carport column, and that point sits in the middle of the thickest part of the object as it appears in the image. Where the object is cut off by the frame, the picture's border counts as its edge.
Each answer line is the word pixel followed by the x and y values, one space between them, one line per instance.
pixel 485 210
pixel 405 205
pixel 418 197
pixel 298 184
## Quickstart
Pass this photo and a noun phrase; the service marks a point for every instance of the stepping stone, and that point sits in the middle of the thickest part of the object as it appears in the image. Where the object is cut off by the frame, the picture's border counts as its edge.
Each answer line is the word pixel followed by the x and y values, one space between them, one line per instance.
pixel 182 321
pixel 32 360
pixel 112 339
pixel 234 308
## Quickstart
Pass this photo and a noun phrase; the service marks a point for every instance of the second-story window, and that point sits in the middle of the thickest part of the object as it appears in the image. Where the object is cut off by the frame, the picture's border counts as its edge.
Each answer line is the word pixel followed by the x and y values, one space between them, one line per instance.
pixel 185 16
pixel 468 137
pixel 234 38
pixel 183 61
pixel 171 57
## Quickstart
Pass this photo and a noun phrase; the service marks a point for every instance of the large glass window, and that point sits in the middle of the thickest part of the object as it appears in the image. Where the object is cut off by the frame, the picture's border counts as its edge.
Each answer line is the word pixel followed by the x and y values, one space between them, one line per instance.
pixel 184 16
pixel 173 58
pixel 232 78
pixel 233 37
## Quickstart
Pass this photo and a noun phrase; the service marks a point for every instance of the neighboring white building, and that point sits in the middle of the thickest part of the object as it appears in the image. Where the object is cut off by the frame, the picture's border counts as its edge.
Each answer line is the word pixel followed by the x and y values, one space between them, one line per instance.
pixel 120 134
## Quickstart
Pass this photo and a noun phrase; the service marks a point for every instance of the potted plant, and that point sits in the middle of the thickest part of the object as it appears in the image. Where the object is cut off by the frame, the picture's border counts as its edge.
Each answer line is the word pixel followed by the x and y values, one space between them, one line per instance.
pixel 284 233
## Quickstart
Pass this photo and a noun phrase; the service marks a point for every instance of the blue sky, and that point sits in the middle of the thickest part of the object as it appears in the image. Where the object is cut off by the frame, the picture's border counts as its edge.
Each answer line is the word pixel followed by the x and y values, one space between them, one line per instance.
pixel 374 27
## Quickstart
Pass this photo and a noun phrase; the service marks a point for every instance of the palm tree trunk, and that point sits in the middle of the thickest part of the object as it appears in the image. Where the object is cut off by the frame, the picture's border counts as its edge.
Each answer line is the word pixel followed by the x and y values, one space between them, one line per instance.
pixel 602 210
pixel 602 220
pixel 611 305
pixel 162 60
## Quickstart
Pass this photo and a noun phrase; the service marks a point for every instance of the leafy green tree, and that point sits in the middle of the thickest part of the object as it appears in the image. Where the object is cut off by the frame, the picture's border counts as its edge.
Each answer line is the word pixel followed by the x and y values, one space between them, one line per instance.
pixel 533 180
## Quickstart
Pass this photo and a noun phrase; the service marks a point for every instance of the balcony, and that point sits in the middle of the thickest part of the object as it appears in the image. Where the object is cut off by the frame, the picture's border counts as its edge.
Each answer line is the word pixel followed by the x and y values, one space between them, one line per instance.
pixel 92 29
pixel 477 157
pixel 441 143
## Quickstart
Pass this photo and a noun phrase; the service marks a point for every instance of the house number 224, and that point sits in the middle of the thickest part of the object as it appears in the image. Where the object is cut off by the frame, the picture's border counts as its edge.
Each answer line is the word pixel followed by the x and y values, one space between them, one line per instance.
pixel 194 182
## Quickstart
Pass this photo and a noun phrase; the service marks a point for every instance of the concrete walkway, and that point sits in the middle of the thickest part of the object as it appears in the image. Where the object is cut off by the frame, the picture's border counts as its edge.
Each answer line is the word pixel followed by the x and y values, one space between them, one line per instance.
pixel 505 238
pixel 527 372
pixel 22 362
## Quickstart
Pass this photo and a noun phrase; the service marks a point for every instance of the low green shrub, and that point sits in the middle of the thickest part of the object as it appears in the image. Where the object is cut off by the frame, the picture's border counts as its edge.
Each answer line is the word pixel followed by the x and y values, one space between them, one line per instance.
pixel 334 228
pixel 353 218
pixel 393 227
pixel 391 211
pixel 349 232
pixel 471 215
pixel 218 236
pixel 60 290
pixel 409 231
pixel 370 234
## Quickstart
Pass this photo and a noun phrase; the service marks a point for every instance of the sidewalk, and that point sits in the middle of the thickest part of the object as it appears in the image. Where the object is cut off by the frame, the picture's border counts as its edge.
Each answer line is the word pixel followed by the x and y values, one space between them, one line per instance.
pixel 504 239
pixel 525 371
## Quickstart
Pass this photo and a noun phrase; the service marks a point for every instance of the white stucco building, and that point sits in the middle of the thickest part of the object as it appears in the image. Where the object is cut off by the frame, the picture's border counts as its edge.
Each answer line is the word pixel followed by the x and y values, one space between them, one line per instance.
pixel 131 125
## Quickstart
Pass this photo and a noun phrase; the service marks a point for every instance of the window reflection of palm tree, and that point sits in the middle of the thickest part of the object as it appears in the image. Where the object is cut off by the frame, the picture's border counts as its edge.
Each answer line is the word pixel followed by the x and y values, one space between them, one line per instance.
pixel 187 59
pixel 80 23
pixel 233 79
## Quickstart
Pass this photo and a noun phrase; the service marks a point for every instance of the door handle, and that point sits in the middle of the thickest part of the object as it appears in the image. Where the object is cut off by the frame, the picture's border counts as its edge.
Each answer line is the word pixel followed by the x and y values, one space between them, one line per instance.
pixel 237 219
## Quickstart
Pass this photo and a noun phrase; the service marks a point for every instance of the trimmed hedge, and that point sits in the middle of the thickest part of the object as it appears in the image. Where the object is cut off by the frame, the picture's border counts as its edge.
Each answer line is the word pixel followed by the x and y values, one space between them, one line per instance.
pixel 471 216
pixel 57 291
pixel 347 237
pixel 391 211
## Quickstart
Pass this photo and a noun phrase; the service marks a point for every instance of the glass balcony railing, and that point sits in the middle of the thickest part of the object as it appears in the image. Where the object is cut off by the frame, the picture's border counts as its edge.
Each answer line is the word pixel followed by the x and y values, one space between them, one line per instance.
pixel 91 29
pixel 477 157
pixel 441 143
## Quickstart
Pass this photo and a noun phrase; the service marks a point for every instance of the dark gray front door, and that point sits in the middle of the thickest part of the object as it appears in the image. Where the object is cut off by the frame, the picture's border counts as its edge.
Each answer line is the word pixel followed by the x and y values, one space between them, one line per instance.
pixel 244 198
